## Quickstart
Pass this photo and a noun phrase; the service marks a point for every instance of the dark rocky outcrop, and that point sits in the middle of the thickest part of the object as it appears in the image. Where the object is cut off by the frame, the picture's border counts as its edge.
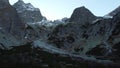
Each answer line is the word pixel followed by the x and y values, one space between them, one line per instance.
pixel 34 57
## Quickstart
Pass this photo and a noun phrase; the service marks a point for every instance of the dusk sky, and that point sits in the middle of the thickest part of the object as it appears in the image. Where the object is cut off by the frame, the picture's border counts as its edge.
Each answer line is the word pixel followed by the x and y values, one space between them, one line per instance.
pixel 57 9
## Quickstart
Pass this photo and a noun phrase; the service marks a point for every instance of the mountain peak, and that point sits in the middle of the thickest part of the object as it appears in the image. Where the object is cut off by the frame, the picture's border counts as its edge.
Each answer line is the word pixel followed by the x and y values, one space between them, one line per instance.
pixel 21 6
pixel 27 12
pixel 20 1
pixel 82 15
pixel 82 7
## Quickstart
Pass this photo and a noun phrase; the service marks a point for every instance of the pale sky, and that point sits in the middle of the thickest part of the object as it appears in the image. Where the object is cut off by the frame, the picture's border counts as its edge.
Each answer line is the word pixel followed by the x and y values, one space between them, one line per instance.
pixel 57 9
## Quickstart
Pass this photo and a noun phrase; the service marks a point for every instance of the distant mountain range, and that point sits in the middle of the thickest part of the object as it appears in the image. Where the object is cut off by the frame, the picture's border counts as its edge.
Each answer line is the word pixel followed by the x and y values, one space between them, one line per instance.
pixel 28 39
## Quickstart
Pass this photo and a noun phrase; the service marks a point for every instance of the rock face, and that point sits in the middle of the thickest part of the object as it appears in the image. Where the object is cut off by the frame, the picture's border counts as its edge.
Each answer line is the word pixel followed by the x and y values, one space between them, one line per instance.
pixel 12 29
pixel 82 16
pixel 108 29
pixel 74 36
pixel 67 36
pixel 10 21
pixel 27 12
pixel 8 40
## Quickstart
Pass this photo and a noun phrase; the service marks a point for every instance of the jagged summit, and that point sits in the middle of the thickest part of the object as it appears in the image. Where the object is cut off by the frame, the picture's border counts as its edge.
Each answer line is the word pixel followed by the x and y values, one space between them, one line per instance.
pixel 82 8
pixel 28 12
pixel 82 15
pixel 21 6
pixel 20 1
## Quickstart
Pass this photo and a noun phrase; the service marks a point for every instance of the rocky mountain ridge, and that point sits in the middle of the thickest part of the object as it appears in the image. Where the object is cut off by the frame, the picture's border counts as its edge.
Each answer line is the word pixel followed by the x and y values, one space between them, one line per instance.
pixel 96 39
pixel 84 40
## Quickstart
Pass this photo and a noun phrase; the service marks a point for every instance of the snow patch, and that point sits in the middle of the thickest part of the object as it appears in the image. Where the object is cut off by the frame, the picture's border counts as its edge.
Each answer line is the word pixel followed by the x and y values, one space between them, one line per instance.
pixel 96 21
pixel 48 47
pixel 45 23
pixel 107 16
